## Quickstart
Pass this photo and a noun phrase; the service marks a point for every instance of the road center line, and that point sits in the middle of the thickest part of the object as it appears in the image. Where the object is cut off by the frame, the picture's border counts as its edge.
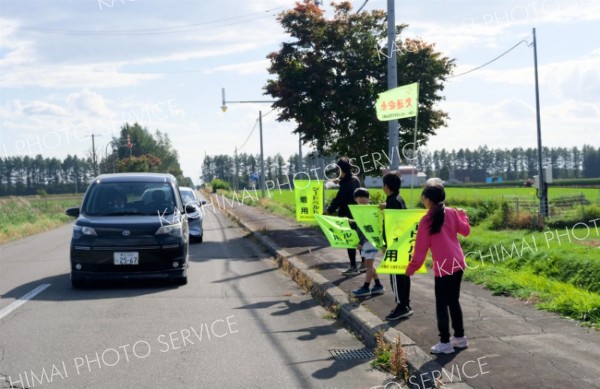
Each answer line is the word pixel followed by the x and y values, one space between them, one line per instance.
pixel 6 310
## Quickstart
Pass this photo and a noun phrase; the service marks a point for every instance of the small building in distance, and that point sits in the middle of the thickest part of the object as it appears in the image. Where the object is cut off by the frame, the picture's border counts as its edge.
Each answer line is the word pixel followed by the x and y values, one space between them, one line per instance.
pixel 410 176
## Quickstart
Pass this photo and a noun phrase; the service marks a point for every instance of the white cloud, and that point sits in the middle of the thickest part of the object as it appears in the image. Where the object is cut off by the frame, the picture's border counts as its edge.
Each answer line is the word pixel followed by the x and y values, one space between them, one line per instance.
pixel 252 67
pixel 497 19
pixel 89 102
pixel 511 123
pixel 576 79
pixel 42 108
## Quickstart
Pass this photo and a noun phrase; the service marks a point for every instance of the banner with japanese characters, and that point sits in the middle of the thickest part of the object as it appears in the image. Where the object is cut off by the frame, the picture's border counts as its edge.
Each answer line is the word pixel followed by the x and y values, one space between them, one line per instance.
pixel 369 220
pixel 398 103
pixel 309 199
pixel 400 233
pixel 338 231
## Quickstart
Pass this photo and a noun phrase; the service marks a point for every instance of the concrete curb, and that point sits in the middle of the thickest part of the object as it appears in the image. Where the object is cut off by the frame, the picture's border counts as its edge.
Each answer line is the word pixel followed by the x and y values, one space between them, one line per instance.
pixel 425 371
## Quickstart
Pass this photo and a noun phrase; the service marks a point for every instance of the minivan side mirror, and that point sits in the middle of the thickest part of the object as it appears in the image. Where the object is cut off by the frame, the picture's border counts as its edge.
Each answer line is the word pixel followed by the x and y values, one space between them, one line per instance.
pixel 203 202
pixel 74 211
pixel 190 208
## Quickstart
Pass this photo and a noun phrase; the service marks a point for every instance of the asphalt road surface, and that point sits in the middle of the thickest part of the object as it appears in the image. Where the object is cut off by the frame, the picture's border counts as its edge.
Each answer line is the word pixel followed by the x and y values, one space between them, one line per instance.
pixel 238 323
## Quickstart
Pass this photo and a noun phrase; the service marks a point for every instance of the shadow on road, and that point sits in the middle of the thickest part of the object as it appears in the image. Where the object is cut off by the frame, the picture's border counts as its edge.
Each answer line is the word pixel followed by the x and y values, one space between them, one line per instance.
pixel 61 290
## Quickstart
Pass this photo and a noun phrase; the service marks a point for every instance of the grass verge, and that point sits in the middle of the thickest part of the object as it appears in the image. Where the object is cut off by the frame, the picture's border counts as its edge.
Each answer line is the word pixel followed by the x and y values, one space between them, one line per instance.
pixel 28 215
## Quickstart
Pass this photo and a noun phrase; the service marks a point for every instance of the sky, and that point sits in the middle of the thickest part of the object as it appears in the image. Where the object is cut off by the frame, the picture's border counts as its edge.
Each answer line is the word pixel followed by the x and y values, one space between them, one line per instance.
pixel 70 69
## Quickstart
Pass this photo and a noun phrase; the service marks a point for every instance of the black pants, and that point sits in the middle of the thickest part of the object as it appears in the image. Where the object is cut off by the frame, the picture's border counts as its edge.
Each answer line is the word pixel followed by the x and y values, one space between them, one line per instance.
pixel 447 293
pixel 352 257
pixel 352 252
pixel 401 289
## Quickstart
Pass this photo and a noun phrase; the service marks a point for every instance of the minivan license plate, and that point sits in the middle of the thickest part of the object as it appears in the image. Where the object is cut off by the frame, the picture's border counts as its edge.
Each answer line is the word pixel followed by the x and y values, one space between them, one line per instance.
pixel 126 258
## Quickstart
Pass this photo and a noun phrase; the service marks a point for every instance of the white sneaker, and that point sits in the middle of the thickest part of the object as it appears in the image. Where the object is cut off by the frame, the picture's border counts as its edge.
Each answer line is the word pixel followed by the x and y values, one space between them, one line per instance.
pixel 442 348
pixel 459 342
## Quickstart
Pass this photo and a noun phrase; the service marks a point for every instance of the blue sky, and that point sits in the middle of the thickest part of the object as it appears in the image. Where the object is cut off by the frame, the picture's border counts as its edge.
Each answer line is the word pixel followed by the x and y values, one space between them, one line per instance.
pixel 72 68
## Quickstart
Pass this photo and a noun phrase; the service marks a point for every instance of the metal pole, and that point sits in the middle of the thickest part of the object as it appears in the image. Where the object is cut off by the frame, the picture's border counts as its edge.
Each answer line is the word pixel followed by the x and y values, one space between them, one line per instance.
pixel 542 182
pixel 392 82
pixel 299 152
pixel 106 156
pixel 262 159
pixel 235 161
pixel 94 156
pixel 414 154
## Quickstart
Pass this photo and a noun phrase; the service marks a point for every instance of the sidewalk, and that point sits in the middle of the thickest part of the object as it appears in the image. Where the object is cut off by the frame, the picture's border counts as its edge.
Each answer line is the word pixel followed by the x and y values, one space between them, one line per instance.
pixel 511 344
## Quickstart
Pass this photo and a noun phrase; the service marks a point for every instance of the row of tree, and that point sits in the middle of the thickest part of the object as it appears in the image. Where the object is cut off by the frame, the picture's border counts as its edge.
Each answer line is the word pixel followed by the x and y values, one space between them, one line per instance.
pixel 462 165
pixel 510 164
pixel 135 150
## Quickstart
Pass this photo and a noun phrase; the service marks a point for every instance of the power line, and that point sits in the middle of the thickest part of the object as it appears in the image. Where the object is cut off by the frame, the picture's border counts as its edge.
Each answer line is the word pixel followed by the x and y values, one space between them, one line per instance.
pixel 362 6
pixel 489 62
pixel 162 30
pixel 249 135
pixel 252 131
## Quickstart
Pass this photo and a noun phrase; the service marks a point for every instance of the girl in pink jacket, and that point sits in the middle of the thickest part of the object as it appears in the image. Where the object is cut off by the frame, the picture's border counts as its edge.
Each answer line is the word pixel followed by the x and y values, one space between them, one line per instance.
pixel 438 231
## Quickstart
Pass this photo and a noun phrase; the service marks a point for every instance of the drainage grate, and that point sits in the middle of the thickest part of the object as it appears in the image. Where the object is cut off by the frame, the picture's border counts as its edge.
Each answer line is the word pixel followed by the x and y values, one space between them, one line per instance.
pixel 346 354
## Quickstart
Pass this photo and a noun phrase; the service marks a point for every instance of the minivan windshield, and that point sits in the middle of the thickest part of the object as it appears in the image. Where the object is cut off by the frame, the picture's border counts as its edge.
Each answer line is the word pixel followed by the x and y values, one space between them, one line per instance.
pixel 187 196
pixel 130 198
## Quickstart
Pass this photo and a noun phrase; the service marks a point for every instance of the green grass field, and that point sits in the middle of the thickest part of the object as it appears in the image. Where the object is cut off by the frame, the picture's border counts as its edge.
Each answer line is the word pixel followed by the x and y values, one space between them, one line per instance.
pixel 27 215
pixel 461 194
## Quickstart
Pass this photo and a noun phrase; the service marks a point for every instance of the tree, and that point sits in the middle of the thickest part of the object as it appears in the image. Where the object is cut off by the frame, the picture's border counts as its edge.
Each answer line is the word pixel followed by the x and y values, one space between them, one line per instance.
pixel 327 79
pixel 444 173
pixel 148 153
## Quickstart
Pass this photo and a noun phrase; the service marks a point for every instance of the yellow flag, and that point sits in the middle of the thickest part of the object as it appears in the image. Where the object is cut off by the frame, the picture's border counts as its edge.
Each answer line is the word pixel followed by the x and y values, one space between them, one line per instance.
pixel 369 219
pixel 338 231
pixel 309 199
pixel 398 103
pixel 400 233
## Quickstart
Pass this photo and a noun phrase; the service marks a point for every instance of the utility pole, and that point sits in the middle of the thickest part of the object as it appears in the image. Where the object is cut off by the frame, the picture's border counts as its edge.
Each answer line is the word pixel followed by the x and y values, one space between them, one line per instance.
pixel 262 163
pixel 262 157
pixel 392 79
pixel 94 162
pixel 299 152
pixel 543 187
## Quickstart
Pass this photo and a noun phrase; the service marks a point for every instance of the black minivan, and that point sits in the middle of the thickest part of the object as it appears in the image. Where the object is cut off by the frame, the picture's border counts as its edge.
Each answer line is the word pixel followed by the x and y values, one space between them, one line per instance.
pixel 130 226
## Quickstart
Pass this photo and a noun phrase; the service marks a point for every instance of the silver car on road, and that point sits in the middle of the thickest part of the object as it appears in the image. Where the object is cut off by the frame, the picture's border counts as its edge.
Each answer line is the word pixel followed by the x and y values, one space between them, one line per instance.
pixel 189 197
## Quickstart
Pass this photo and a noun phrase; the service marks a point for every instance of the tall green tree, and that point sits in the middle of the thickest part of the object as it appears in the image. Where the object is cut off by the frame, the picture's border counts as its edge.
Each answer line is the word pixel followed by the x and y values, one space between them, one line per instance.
pixel 328 76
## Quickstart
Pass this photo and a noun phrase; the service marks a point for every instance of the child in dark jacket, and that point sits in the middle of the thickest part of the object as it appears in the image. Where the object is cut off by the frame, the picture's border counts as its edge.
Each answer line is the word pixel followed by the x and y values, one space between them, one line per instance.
pixel 400 282
pixel 345 196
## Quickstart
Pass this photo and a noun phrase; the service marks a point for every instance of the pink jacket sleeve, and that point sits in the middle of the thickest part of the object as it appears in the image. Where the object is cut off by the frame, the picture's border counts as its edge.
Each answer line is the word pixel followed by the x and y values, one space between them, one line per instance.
pixel 464 227
pixel 421 247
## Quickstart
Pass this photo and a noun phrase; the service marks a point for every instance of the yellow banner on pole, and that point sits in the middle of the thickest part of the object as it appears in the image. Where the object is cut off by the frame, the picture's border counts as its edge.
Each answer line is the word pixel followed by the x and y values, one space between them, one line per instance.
pixel 398 103
pixel 400 233
pixel 309 199
pixel 338 231
pixel 369 220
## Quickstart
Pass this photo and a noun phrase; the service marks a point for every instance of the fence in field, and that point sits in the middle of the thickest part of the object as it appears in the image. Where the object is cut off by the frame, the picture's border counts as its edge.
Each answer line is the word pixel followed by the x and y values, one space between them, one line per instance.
pixel 573 205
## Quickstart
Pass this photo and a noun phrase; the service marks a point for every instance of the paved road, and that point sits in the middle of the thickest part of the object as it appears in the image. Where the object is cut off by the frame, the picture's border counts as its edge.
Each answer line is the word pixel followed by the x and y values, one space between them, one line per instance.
pixel 239 323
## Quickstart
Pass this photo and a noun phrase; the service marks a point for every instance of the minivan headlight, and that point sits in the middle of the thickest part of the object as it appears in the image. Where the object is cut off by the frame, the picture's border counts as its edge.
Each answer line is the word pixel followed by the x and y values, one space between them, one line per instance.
pixel 79 231
pixel 171 229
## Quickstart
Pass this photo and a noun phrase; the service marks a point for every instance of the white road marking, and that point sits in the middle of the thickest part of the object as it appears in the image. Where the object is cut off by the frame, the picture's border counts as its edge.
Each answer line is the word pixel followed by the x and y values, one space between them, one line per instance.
pixel 6 310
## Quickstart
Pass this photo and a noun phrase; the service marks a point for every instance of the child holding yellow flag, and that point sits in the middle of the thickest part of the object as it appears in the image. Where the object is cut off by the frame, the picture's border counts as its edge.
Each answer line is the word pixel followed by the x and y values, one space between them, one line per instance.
pixel 345 196
pixel 438 231
pixel 400 282
pixel 367 252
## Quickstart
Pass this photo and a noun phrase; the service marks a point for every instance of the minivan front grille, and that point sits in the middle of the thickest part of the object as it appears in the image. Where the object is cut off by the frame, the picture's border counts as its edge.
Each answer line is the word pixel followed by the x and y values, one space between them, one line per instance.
pixel 113 248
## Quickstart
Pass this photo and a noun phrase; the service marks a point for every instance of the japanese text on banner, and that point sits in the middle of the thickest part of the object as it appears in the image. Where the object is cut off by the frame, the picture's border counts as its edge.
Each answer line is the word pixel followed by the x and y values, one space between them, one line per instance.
pixel 338 231
pixel 309 199
pixel 400 233
pixel 369 219
pixel 398 103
